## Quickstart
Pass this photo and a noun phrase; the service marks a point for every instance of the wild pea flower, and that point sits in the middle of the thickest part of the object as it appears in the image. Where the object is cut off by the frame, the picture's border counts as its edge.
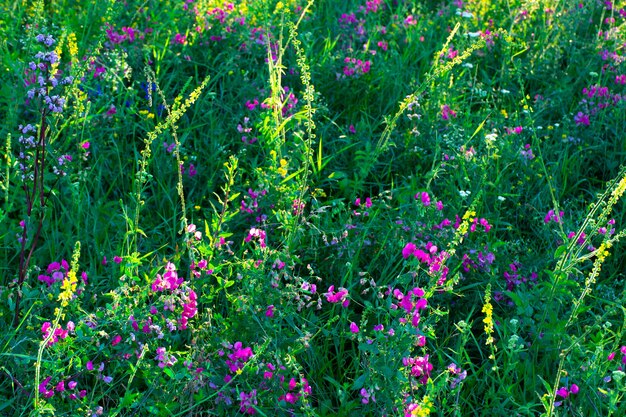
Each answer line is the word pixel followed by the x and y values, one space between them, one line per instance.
pixel 258 234
pixel 424 197
pixel 169 281
pixel 43 388
pixel 354 328
pixel 238 357
pixel 58 333
pixel 581 119
pixel 116 340
pixel 419 367
pixel 246 402
pixel 179 39
pixel 410 20
pixel 527 152
pixel 355 67
pixel 552 216
pixel 564 392
pixel 190 308
pixel 251 105
pixel 447 112
pixel 367 395
pixel 460 375
pixel 164 358
pixel 340 296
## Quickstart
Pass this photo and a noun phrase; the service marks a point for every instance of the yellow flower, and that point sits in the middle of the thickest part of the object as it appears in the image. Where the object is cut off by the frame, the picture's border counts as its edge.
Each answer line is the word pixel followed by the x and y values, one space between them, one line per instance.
pixel 282 170
pixel 68 287
pixel 488 320
pixel 424 408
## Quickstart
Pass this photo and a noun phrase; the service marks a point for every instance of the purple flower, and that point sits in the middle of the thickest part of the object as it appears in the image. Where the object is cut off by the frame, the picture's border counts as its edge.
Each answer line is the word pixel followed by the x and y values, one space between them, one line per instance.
pixel 354 328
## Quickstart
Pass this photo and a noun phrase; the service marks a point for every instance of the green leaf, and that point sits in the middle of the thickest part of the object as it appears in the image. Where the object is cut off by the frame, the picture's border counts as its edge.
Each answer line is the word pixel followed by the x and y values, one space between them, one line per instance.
pixel 359 382
pixel 560 251
pixel 128 399
pixel 168 372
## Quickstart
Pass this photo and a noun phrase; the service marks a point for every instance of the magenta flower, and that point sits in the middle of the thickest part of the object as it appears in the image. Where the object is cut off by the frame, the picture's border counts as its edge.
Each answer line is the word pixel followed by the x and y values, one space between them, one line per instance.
pixel 408 250
pixel 43 388
pixel 116 340
pixel 179 39
pixel 336 297
pixel 354 328
pixel 447 112
pixel 581 119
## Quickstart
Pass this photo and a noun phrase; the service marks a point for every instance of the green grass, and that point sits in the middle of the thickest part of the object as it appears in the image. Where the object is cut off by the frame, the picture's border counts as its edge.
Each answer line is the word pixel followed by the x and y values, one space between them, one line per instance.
pixel 312 208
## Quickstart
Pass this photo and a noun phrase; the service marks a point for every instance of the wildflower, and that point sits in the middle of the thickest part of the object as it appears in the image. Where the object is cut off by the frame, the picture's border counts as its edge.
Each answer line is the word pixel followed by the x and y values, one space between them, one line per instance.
pixel 116 340
pixel 425 198
pixel 409 249
pixel 446 112
pixel 354 328
pixel 552 216
pixel 488 320
pixel 581 119
pixel 564 392
pixel 367 396
pixel 419 367
pixel 68 288
pixel 43 388
pixel 410 20
pixel 336 297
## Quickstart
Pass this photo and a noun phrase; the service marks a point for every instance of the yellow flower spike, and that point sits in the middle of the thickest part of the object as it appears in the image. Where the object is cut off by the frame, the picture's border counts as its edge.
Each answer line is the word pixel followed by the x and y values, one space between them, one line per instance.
pixel 69 284
pixel 488 320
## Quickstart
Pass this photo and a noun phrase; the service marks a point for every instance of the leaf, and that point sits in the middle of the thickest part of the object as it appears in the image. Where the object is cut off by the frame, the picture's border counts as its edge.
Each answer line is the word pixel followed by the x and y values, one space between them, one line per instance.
pixel 128 399
pixel 365 347
pixel 359 382
pixel 168 372
pixel 560 251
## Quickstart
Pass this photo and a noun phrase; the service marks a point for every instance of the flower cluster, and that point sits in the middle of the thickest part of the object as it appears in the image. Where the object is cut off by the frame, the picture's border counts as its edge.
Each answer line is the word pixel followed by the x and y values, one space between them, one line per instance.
pixel 61 387
pixel 340 296
pixel 44 77
pixel 57 333
pixel 164 358
pixel 419 367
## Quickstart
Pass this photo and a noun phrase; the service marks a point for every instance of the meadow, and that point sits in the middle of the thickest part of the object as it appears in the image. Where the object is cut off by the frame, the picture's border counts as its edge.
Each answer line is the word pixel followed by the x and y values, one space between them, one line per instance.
pixel 312 208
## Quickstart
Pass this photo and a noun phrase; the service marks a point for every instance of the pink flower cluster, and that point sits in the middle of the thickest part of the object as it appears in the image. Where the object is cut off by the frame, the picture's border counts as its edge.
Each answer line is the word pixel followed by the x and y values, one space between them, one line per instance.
pixel 412 303
pixel 357 203
pixel 424 197
pixel 57 333
pixel 258 234
pixel 447 112
pixel 552 216
pixel 169 281
pixel 237 358
pixel 190 308
pixel 164 358
pixel 340 296
pixel 250 202
pixel 128 34
pixel 419 367
pixel 430 257
pixel 355 67
pixel 60 387
pixel 291 396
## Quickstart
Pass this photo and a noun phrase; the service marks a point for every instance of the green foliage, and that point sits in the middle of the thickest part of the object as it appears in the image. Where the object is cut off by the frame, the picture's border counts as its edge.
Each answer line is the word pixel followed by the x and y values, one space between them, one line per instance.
pixel 312 208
